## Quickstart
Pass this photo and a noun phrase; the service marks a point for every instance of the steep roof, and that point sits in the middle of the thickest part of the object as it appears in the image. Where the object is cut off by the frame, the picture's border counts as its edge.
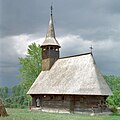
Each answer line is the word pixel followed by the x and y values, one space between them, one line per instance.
pixel 50 36
pixel 76 75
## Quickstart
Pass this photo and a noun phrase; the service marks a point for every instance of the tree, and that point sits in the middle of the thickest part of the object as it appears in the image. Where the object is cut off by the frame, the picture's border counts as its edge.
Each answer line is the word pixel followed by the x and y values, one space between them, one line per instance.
pixel 3 92
pixel 29 71
pixel 114 83
pixel 30 65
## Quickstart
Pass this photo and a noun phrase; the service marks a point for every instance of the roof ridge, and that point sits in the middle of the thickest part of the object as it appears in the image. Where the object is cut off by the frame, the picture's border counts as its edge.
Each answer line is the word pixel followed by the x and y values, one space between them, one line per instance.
pixel 76 55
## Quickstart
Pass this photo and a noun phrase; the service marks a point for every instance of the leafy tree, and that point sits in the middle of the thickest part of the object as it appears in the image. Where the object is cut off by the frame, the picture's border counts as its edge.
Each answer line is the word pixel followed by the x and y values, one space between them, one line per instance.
pixel 114 83
pixel 3 92
pixel 30 65
pixel 29 70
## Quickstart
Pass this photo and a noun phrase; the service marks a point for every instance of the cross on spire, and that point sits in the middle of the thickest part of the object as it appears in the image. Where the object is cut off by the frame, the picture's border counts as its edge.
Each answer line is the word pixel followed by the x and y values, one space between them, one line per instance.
pixel 91 48
pixel 50 36
pixel 51 8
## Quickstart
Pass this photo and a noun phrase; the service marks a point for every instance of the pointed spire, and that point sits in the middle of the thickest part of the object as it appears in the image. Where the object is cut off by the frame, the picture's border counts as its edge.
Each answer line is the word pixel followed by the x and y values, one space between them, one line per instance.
pixel 50 36
pixel 51 32
pixel 51 9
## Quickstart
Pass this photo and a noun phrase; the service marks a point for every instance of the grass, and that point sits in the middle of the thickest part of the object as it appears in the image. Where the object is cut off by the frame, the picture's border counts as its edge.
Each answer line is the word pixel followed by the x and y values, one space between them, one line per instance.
pixel 24 114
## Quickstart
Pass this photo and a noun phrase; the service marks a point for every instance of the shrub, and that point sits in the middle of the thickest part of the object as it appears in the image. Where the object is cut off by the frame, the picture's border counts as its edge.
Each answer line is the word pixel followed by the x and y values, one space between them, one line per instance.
pixel 114 109
pixel 7 105
pixel 14 106
pixel 23 106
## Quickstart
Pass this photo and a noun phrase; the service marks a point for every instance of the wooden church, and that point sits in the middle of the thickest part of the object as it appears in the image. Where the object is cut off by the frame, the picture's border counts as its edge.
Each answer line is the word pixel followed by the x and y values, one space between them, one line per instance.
pixel 69 84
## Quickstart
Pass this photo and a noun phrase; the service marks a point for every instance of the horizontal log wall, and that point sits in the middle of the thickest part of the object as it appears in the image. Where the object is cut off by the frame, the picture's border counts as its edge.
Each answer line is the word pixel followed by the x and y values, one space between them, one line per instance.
pixel 89 103
pixel 71 103
pixel 56 101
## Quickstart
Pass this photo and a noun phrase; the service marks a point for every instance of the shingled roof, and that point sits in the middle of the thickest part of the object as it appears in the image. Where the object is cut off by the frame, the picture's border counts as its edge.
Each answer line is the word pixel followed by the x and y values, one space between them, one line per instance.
pixel 50 36
pixel 76 75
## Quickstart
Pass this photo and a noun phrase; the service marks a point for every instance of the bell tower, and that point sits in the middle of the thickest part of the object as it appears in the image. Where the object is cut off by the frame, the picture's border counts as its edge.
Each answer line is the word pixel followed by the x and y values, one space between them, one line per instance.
pixel 50 47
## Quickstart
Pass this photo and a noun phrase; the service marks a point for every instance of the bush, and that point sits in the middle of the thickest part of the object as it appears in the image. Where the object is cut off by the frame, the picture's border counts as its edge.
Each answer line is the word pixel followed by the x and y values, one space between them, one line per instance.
pixel 7 105
pixel 114 83
pixel 23 106
pixel 114 109
pixel 14 106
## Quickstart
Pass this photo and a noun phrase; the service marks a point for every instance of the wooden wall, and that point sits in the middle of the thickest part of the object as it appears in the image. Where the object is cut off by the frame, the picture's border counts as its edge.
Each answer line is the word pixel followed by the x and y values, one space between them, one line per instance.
pixel 48 63
pixel 71 103
pixel 49 56
pixel 89 103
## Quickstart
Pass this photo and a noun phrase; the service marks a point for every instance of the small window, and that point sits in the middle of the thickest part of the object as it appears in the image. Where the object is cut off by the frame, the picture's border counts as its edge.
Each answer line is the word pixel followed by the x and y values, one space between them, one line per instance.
pixel 51 48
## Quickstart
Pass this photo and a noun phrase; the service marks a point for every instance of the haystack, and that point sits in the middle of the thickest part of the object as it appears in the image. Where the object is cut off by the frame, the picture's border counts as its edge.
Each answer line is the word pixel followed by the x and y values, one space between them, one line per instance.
pixel 3 111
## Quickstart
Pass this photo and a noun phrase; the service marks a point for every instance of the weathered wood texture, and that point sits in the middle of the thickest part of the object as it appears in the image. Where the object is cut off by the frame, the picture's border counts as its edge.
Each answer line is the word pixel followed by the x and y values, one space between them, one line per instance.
pixel 49 56
pixel 72 103
pixel 47 63
pixel 50 52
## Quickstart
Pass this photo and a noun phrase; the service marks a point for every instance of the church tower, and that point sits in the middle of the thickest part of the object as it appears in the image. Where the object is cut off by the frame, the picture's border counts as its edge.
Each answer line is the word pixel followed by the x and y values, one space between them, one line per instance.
pixel 50 47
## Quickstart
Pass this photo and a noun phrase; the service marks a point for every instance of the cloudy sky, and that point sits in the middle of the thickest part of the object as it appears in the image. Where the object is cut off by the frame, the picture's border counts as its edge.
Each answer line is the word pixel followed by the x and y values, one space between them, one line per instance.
pixel 78 25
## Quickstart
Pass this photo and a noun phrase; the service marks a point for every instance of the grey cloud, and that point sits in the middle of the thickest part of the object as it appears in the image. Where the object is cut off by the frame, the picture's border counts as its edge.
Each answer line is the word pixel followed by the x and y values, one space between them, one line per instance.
pixel 8 53
pixel 9 63
pixel 108 60
pixel 92 20
pixel 106 53
pixel 25 16
pixel 8 76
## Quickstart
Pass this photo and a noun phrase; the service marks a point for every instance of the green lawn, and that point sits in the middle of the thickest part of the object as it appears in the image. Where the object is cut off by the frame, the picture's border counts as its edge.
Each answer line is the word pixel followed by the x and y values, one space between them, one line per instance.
pixel 24 114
